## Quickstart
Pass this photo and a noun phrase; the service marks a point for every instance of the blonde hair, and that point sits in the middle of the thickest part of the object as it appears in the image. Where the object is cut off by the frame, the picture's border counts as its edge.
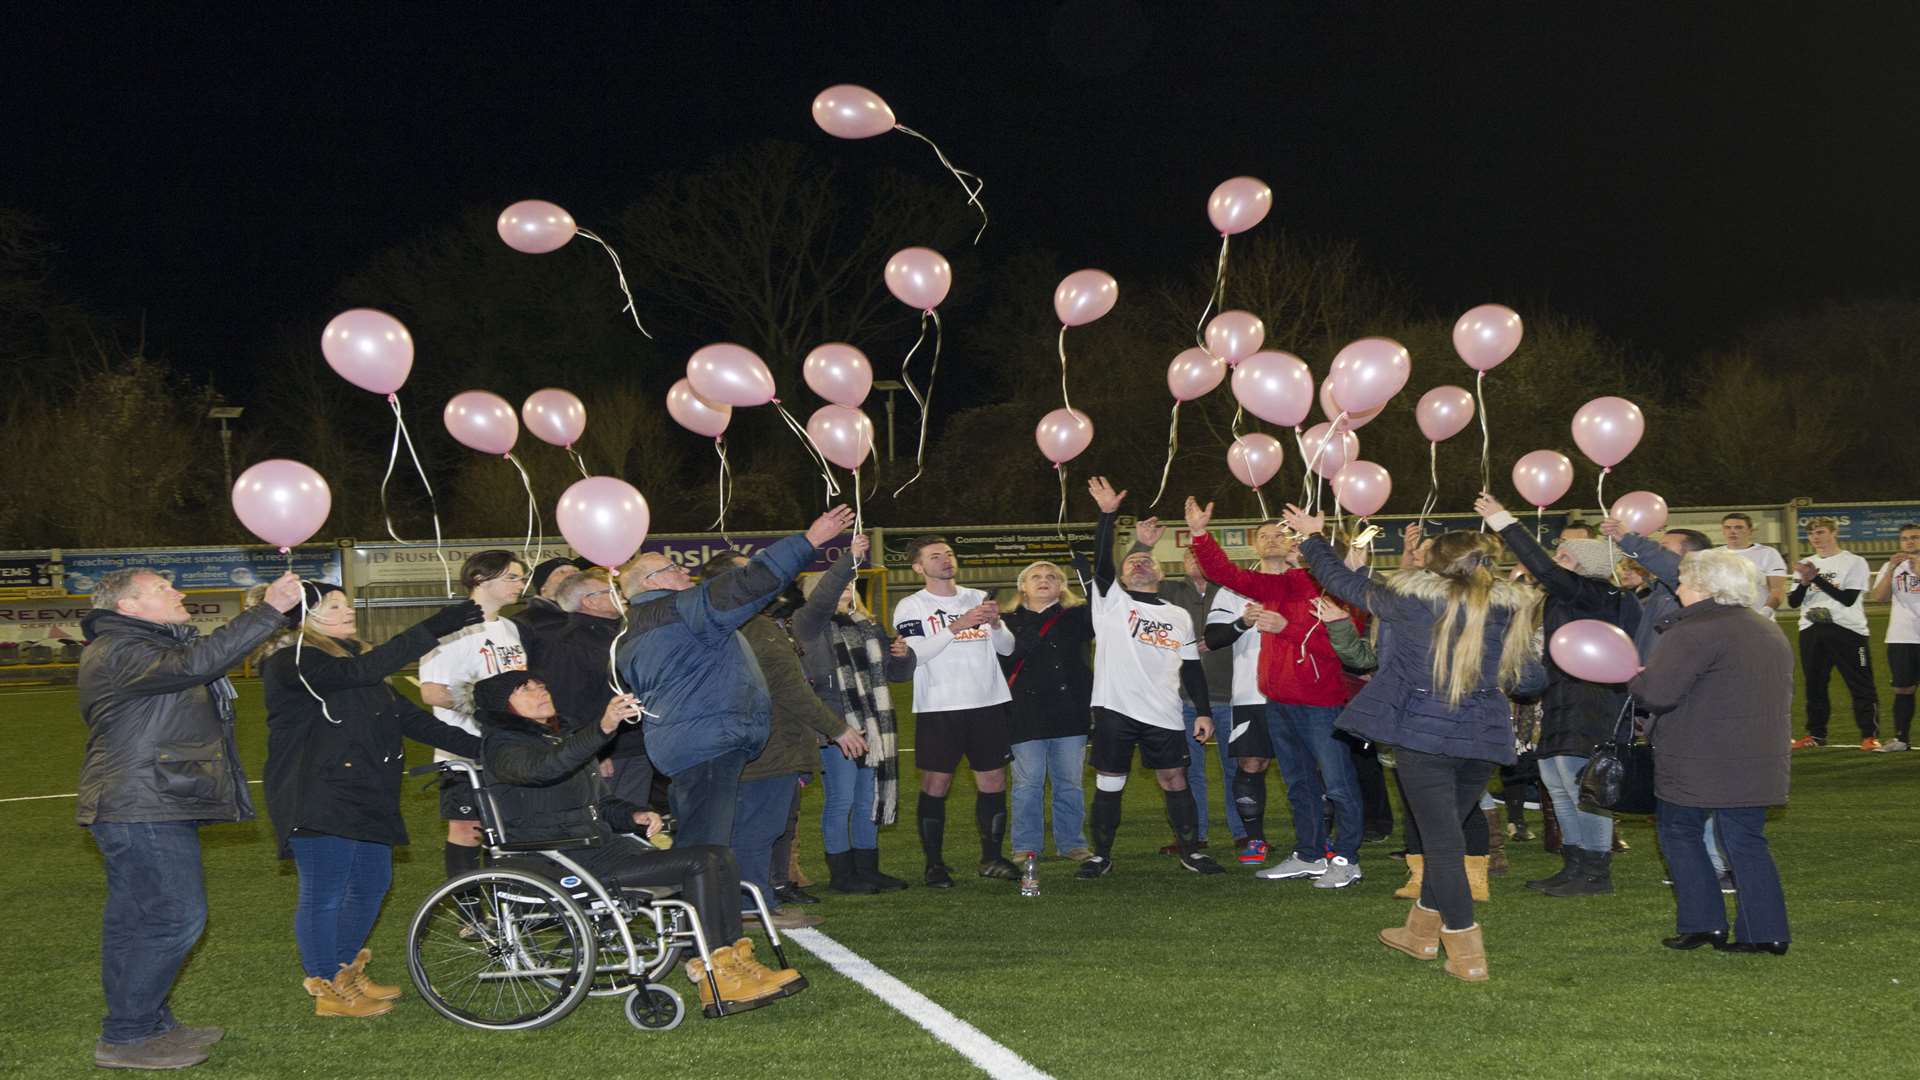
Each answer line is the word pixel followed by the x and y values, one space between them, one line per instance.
pixel 1465 561
pixel 308 636
pixel 1832 525
pixel 1067 597
pixel 810 582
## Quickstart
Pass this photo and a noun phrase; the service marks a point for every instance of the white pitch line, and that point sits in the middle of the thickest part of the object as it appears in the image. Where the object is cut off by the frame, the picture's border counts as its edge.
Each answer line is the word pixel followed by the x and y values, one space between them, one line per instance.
pixel 987 1055
pixel 64 795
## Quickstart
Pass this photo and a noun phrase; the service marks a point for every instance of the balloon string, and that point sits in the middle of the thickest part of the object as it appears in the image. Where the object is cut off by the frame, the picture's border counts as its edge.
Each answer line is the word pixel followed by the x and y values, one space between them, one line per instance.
pixel 973 189
pixel 1060 519
pixel 1539 524
pixel 1306 481
pixel 1063 369
pixel 299 639
pixel 726 493
pixel 622 275
pixel 1600 494
pixel 579 462
pixel 1217 297
pixel 1486 442
pixel 1239 413
pixel 806 440
pixel 859 521
pixel 1262 500
pixel 1173 443
pixel 619 602
pixel 1433 491
pixel 433 505
pixel 925 400
pixel 534 553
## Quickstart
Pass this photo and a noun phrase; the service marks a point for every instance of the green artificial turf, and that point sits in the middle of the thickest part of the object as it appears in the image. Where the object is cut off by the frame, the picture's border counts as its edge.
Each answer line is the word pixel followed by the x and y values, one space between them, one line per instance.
pixel 1148 972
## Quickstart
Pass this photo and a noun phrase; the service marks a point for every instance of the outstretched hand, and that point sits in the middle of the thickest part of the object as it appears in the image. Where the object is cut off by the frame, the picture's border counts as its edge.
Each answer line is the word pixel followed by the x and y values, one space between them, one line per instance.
pixel 1612 529
pixel 284 593
pixel 860 545
pixel 623 708
pixel 829 525
pixel 1198 518
pixel 1302 522
pixel 1487 506
pixel 1103 494
pixel 1149 531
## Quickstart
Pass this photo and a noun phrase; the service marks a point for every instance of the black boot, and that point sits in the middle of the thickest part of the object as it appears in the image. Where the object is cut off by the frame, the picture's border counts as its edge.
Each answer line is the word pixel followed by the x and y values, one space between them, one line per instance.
pixel 1593 878
pixel 866 865
pixel 1569 863
pixel 843 878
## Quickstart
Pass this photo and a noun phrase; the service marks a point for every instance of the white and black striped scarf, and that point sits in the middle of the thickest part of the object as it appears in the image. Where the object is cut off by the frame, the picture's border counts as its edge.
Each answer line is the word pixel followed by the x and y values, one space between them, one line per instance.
pixel 860 673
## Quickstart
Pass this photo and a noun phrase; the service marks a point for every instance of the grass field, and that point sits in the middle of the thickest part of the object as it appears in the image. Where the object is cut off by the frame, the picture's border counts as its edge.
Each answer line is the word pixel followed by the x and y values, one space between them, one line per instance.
pixel 1148 972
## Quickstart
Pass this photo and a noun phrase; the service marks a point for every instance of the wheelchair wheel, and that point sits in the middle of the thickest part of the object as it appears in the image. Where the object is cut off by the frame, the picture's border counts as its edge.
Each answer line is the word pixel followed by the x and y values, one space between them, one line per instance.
pixel 501 950
pixel 655 1008
pixel 611 977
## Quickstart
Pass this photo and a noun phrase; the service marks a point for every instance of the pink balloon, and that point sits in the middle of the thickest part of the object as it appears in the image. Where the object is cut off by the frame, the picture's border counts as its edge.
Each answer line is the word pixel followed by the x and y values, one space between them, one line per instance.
pixel 1367 373
pixel 281 501
pixel 1542 477
pixel 1327 455
pixel 1084 296
pixel 1063 434
pixel 919 277
pixel 843 435
pixel 1485 336
pixel 535 226
pixel 695 413
pixel 1330 408
pixel 1234 335
pixel 1607 429
pixel 1254 458
pixel 729 374
pixel 369 349
pixel 1274 386
pixel 1641 512
pixel 852 112
pixel 1239 204
pixel 603 518
pixel 482 421
pixel 1194 373
pixel 1443 412
pixel 839 372
pixel 1362 487
pixel 554 416
pixel 1596 651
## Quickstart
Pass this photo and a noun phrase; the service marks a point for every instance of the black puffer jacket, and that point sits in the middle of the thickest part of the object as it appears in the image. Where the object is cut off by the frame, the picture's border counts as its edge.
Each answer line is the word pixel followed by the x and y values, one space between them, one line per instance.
pixel 1048 672
pixel 159 714
pixel 545 784
pixel 343 777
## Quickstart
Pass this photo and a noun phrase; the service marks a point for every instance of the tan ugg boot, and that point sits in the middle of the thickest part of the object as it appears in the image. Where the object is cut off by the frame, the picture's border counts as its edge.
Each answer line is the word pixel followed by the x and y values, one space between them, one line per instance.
pixel 1416 872
pixel 1466 953
pixel 338 996
pixel 1419 938
pixel 1477 877
pixel 377 991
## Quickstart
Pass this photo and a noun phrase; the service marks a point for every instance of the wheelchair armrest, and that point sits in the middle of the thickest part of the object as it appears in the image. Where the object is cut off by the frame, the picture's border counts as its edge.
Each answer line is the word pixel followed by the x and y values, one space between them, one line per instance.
pixel 430 767
pixel 547 845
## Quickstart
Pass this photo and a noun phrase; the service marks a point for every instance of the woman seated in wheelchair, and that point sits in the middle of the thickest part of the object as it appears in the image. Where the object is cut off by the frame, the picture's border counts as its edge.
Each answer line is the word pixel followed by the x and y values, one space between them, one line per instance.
pixel 540 768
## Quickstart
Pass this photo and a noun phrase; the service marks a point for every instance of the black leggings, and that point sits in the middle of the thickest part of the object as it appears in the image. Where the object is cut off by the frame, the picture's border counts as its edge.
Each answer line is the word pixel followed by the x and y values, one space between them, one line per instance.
pixel 1441 791
pixel 708 878
pixel 1476 827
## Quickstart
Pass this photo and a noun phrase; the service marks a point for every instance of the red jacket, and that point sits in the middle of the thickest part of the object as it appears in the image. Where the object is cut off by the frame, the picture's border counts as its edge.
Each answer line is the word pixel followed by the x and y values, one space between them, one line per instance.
pixel 1297 665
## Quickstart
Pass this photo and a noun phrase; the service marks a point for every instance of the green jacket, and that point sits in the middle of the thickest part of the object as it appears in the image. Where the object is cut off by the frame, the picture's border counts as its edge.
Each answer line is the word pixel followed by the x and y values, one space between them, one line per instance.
pixel 798 712
pixel 1356 653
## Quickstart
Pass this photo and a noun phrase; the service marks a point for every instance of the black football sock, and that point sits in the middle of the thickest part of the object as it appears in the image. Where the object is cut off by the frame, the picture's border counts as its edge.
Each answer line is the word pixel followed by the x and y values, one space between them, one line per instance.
pixel 990 813
pixel 1105 821
pixel 460 859
pixel 1185 819
pixel 1250 802
pixel 1902 716
pixel 933 826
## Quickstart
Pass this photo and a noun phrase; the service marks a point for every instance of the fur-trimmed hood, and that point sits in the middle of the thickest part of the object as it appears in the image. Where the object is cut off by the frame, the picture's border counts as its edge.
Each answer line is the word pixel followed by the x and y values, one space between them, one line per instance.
pixel 1432 588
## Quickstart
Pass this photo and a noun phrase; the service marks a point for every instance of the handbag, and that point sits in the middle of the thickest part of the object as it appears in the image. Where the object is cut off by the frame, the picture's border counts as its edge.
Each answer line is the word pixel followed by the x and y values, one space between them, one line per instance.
pixel 1619 774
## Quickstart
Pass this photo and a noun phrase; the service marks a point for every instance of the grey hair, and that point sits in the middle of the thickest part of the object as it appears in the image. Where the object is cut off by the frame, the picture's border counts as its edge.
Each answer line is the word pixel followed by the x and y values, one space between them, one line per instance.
pixel 573 591
pixel 117 585
pixel 1723 575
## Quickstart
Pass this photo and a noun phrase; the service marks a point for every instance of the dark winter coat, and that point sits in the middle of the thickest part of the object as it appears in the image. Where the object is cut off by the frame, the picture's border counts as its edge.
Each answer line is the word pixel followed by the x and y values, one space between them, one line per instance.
pixel 546 785
pixel 571 657
pixel 1398 706
pixel 159 715
pixel 1720 684
pixel 1576 714
pixel 1658 600
pixel 798 714
pixel 1048 673
pixel 343 777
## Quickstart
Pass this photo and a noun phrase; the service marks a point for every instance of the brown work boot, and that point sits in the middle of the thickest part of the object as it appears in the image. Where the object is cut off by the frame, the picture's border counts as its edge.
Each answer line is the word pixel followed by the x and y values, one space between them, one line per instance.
pixel 1477 877
pixel 1497 864
pixel 1466 953
pixel 786 980
pixel 339 996
pixel 1419 938
pixel 155 1052
pixel 367 987
pixel 740 989
pixel 1416 872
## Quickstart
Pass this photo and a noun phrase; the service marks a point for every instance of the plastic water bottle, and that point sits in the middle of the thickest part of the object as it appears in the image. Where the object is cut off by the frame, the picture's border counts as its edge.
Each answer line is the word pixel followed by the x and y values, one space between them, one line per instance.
pixel 1030 875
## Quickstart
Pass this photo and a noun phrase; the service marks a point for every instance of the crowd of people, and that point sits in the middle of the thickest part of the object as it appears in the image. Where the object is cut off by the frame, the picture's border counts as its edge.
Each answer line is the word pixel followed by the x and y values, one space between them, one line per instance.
pixel 739 687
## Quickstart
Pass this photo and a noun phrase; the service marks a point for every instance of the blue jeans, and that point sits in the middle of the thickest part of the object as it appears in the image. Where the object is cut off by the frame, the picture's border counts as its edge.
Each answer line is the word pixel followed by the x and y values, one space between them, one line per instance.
pixel 1762 905
pixel 1036 762
pixel 156 908
pixel 703 797
pixel 342 884
pixel 846 809
pixel 1222 714
pixel 1317 769
pixel 759 819
pixel 1713 847
pixel 1589 832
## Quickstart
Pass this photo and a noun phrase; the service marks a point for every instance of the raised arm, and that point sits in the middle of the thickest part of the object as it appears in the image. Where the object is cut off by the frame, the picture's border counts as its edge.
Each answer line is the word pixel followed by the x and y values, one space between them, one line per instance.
pixel 167 667
pixel 325 673
pixel 423 727
pixel 812 618
pixel 1104 572
pixel 534 762
pixel 1660 562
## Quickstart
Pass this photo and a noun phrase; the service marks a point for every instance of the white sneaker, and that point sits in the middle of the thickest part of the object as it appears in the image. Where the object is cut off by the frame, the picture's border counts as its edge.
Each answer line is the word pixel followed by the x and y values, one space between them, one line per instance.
pixel 1892 746
pixel 1339 874
pixel 1293 867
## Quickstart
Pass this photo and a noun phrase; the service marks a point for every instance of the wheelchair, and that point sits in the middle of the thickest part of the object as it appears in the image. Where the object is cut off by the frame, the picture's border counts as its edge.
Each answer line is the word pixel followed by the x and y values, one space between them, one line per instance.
pixel 521 943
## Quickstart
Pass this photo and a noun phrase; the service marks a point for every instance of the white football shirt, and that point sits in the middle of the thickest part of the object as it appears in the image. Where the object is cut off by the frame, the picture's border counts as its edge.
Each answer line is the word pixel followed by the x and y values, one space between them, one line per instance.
pixel 1903 624
pixel 1843 570
pixel 1138 648
pixel 465 657
pixel 952 670
pixel 1770 564
pixel 1227 607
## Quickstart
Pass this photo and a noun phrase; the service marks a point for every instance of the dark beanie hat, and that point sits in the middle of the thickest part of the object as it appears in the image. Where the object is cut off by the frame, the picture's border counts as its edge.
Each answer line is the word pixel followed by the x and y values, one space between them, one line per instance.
pixel 545 570
pixel 317 591
pixel 491 693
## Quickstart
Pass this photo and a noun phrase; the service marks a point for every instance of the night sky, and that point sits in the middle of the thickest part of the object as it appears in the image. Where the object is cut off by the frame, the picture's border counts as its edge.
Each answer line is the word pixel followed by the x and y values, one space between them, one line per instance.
pixel 1674 172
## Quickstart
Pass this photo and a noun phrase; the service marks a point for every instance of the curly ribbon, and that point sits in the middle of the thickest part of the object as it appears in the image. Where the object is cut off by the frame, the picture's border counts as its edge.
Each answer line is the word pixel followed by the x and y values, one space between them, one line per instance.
pixel 1216 298
pixel 1433 491
pixel 1600 494
pixel 299 639
pixel 532 553
pixel 1300 448
pixel 1173 444
pixel 1262 500
pixel 1060 519
pixel 1313 473
pixel 613 647
pixel 806 440
pixel 1539 524
pixel 621 274
pixel 1063 370
pixel 859 520
pixel 393 455
pixel 578 462
pixel 726 489
pixel 924 401
pixel 1486 442
pixel 973 188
